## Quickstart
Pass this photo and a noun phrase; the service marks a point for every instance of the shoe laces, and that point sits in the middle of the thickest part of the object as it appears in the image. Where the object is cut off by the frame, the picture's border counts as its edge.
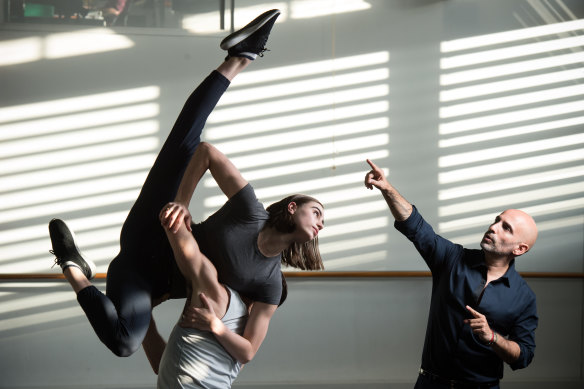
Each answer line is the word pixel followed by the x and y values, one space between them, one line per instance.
pixel 262 51
pixel 264 40
pixel 57 260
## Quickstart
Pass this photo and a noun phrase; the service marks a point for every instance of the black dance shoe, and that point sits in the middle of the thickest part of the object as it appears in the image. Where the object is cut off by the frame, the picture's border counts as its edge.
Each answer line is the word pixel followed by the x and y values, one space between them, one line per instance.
pixel 250 41
pixel 65 250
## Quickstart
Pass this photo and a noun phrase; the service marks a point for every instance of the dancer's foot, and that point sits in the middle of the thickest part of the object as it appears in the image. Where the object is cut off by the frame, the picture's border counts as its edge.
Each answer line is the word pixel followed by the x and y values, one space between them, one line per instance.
pixel 250 41
pixel 65 250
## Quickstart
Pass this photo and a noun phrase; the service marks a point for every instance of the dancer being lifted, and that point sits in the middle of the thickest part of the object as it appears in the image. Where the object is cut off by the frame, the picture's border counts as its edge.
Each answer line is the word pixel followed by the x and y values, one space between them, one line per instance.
pixel 245 242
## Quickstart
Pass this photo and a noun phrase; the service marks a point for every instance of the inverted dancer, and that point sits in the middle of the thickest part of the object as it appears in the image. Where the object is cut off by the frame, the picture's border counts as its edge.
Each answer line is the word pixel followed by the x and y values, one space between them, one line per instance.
pixel 145 270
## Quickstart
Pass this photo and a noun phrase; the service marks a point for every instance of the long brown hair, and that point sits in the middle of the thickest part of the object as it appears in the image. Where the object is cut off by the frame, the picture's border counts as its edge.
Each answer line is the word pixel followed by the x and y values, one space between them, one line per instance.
pixel 305 256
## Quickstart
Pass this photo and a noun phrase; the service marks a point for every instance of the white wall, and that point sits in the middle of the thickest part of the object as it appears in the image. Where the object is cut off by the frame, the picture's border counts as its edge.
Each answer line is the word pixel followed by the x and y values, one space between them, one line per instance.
pixel 338 332
pixel 330 331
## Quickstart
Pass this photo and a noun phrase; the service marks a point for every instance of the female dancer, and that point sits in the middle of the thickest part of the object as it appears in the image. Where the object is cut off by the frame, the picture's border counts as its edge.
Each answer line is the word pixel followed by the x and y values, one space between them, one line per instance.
pixel 145 270
pixel 211 353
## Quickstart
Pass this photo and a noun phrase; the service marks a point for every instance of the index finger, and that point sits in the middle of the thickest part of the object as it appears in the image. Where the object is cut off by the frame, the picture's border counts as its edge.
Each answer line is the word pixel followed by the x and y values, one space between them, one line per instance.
pixel 373 166
pixel 473 312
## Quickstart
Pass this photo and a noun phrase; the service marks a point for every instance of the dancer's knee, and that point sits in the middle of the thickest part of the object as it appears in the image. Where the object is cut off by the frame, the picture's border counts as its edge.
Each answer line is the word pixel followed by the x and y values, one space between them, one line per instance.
pixel 125 347
pixel 122 344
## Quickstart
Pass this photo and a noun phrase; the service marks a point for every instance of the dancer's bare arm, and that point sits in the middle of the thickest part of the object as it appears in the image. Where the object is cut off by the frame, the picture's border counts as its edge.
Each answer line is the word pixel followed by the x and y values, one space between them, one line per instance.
pixel 400 208
pixel 214 299
pixel 243 348
pixel 153 342
pixel 154 346
pixel 198 270
pixel 206 157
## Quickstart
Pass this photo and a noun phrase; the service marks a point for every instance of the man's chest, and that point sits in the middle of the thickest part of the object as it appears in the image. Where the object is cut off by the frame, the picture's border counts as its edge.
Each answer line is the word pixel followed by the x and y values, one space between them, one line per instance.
pixel 495 299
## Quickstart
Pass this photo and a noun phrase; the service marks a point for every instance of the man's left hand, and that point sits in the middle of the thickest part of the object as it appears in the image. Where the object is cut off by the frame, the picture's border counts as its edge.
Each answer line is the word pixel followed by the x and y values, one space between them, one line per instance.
pixel 479 325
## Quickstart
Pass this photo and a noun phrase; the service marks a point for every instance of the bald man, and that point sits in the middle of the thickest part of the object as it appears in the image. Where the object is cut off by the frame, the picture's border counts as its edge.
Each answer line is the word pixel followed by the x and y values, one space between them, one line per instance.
pixel 482 313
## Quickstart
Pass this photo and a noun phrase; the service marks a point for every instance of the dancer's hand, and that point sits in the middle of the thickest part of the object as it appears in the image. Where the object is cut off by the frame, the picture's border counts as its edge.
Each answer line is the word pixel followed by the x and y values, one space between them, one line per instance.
pixel 173 215
pixel 203 318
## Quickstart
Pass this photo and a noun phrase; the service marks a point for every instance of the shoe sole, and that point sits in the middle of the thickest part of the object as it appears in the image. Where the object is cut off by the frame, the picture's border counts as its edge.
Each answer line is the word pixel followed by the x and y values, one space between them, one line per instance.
pixel 90 264
pixel 240 35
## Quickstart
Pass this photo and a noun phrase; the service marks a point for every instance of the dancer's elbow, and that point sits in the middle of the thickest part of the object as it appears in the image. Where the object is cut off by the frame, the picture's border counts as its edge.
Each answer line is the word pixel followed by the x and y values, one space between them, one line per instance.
pixel 245 356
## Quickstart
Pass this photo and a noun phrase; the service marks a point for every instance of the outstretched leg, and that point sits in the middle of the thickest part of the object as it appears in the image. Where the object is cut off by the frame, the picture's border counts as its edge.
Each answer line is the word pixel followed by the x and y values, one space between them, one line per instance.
pixel 141 270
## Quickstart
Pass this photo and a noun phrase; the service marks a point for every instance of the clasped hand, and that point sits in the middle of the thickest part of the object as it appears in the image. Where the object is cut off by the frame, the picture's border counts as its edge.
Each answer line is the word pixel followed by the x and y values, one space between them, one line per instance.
pixel 200 318
pixel 173 215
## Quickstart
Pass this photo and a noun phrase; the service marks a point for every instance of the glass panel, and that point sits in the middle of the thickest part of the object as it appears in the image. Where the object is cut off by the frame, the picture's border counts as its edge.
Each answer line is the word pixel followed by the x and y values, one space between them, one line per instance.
pixel 113 13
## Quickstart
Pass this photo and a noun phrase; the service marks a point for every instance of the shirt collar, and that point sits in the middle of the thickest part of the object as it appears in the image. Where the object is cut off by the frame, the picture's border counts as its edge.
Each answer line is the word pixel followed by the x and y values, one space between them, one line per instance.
pixel 479 262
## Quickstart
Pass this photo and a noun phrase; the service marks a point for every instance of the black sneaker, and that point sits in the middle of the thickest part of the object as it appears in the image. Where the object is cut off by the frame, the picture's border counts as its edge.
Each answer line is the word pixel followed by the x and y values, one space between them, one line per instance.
pixel 65 250
pixel 250 41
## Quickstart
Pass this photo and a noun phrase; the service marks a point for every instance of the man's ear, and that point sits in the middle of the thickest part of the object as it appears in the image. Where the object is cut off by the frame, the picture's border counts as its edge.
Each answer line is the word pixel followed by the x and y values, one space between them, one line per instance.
pixel 521 249
pixel 292 207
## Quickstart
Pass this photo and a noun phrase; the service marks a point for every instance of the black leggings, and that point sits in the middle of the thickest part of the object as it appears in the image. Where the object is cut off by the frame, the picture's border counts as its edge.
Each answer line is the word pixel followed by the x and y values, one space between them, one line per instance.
pixel 143 268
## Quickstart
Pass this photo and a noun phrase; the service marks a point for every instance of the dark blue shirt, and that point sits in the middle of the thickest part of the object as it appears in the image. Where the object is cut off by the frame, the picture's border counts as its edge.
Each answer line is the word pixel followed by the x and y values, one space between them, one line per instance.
pixel 458 278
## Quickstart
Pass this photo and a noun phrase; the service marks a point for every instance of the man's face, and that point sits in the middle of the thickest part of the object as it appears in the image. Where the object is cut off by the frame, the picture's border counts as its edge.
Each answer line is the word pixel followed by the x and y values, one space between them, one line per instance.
pixel 503 236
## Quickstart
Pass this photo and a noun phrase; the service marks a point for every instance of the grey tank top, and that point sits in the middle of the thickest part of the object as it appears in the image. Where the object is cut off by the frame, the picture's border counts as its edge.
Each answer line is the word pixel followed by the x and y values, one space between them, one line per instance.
pixel 194 359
